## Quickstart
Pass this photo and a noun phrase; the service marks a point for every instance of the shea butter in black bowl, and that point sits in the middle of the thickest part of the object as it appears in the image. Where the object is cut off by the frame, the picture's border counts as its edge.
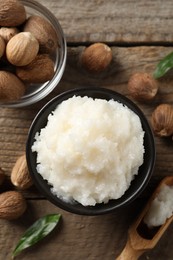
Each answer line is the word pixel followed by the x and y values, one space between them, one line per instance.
pixel 139 181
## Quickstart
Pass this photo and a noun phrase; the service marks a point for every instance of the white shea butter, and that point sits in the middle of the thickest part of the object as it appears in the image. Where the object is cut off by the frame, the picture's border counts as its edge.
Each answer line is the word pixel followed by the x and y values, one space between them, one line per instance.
pixel 161 207
pixel 90 150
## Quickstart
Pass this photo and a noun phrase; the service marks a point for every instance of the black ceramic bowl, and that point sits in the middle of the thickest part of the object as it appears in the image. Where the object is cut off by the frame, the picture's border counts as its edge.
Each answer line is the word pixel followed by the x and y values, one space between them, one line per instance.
pixel 137 185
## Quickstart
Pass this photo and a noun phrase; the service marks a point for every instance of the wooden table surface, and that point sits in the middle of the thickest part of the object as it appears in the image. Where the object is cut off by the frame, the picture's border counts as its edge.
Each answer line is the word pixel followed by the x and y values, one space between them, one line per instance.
pixel 140 33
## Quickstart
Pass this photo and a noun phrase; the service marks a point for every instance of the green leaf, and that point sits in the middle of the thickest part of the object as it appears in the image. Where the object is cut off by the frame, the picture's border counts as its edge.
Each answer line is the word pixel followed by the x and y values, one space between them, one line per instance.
pixel 164 66
pixel 41 228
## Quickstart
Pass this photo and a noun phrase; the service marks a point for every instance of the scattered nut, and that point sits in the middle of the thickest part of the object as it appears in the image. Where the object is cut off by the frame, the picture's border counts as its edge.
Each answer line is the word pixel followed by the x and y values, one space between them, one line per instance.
pixel 2 46
pixel 33 72
pixel 12 13
pixel 2 176
pixel 12 205
pixel 96 57
pixel 22 49
pixel 162 120
pixel 8 32
pixel 20 176
pixel 11 88
pixel 43 32
pixel 142 86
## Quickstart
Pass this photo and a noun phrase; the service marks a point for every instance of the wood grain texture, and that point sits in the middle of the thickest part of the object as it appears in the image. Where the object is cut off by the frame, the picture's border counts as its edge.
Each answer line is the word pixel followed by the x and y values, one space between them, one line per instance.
pixel 78 237
pixel 82 237
pixel 117 21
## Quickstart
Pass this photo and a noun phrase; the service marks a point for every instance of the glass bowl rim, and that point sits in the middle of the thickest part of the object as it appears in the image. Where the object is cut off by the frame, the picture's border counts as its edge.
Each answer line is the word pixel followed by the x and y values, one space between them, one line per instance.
pixel 47 87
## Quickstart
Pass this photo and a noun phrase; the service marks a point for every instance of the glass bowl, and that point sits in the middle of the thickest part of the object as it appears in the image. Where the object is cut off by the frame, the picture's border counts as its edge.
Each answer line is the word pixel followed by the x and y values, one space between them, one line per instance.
pixel 138 183
pixel 36 92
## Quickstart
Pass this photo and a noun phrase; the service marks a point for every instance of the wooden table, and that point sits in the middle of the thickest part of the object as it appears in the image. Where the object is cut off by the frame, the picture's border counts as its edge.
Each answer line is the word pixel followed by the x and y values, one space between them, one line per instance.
pixel 140 34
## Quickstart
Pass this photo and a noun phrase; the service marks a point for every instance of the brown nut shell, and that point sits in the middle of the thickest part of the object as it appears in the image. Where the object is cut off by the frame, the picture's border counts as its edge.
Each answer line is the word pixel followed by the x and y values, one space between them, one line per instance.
pixel 43 32
pixel 20 176
pixel 12 205
pixel 142 86
pixel 22 49
pixel 96 57
pixel 8 32
pixel 162 120
pixel 11 88
pixel 40 70
pixel 12 13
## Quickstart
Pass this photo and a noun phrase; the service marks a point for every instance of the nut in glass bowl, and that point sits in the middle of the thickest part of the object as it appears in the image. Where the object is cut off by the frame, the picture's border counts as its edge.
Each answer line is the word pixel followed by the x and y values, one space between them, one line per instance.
pixel 34 58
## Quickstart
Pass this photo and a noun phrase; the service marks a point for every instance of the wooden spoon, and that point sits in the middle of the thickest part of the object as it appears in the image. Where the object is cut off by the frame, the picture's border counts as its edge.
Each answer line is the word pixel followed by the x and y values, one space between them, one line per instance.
pixel 140 237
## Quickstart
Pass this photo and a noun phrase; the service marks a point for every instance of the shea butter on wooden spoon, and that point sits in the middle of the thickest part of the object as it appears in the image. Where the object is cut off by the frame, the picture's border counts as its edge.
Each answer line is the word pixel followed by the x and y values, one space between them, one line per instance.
pixel 142 236
pixel 161 207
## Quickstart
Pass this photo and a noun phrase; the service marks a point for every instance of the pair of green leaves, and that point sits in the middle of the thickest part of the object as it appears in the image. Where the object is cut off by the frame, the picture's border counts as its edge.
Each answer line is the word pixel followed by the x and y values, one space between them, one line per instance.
pixel 36 232
pixel 164 66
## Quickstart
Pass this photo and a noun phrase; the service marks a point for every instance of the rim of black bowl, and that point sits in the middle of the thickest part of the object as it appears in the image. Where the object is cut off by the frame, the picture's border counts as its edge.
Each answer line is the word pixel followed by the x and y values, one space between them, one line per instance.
pixel 137 185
